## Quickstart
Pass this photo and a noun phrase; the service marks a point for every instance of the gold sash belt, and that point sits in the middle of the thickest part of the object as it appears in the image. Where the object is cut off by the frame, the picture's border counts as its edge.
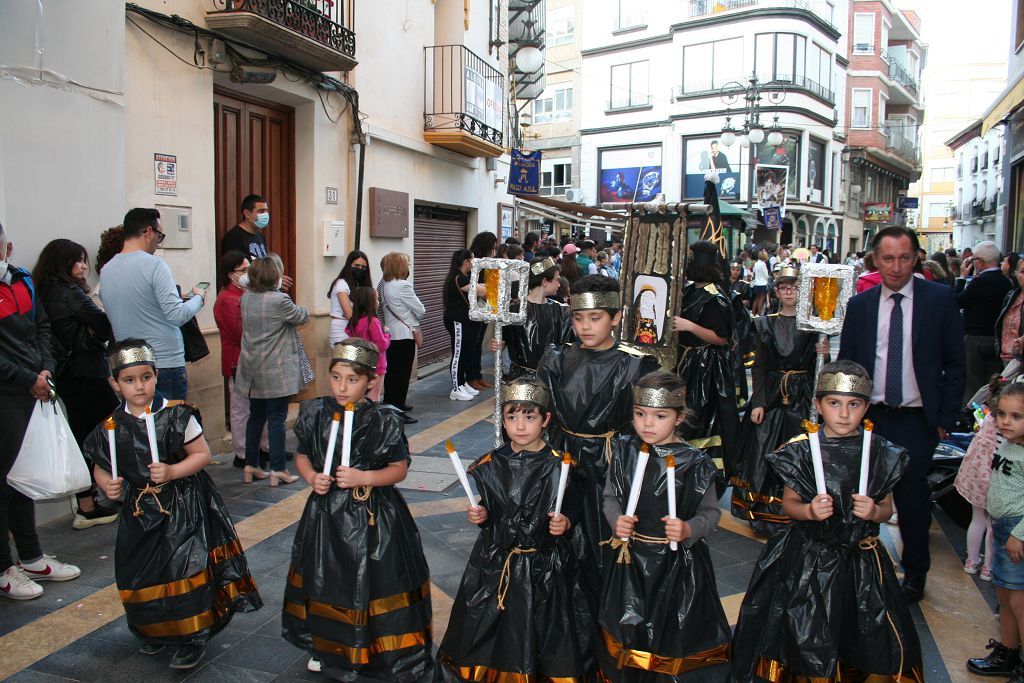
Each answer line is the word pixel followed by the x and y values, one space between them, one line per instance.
pixel 152 491
pixel 623 546
pixel 505 580
pixel 607 436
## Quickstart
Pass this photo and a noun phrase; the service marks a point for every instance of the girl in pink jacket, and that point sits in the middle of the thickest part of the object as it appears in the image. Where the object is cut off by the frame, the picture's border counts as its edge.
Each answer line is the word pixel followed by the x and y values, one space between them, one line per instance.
pixel 366 325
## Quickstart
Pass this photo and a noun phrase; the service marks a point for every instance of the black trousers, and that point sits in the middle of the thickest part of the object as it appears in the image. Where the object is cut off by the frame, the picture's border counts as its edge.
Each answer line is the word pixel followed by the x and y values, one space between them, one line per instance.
pixel 88 402
pixel 981 362
pixel 400 355
pixel 476 331
pixel 911 495
pixel 460 348
pixel 17 511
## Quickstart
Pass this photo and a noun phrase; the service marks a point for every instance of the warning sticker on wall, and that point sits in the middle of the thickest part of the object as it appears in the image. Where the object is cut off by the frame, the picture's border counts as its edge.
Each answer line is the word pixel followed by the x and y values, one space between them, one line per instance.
pixel 165 169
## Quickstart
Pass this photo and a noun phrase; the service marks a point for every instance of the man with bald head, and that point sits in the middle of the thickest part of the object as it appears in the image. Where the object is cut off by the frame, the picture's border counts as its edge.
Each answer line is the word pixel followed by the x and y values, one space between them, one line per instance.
pixel 981 302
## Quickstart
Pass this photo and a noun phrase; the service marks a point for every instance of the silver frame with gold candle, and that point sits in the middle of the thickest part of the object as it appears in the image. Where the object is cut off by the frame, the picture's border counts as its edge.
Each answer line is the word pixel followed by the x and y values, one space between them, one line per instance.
pixel 806 317
pixel 480 311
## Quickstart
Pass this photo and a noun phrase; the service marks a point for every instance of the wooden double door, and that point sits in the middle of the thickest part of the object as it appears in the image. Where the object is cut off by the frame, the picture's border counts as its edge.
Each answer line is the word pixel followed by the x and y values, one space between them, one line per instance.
pixel 254 153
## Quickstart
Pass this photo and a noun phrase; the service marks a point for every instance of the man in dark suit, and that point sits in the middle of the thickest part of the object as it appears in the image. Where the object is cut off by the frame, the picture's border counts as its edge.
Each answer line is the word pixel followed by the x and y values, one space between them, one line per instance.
pixel 981 302
pixel 908 334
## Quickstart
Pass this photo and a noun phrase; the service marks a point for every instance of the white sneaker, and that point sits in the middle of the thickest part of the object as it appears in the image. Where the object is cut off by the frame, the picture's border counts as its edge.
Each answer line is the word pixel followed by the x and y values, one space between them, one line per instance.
pixel 15 585
pixel 52 570
pixel 313 665
pixel 460 395
pixel 469 390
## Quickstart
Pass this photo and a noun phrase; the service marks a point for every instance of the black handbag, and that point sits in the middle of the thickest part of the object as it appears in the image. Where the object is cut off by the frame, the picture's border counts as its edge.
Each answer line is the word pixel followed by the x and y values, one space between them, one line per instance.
pixel 195 343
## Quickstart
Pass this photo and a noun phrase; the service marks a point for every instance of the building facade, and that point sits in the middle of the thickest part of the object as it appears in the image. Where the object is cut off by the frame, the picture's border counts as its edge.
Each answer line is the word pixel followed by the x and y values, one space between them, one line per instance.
pixel 659 86
pixel 361 133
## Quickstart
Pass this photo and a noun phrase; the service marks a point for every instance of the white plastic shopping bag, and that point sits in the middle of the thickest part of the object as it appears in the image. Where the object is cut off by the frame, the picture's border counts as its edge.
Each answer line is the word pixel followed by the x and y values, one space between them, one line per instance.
pixel 49 464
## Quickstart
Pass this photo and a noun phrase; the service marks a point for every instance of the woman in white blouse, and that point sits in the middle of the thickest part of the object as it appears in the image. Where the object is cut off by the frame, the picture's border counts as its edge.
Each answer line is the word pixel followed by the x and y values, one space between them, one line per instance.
pixel 403 311
pixel 759 287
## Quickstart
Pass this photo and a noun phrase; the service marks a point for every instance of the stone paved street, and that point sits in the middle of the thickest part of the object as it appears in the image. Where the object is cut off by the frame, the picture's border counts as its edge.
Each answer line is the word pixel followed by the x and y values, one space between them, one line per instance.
pixel 77 631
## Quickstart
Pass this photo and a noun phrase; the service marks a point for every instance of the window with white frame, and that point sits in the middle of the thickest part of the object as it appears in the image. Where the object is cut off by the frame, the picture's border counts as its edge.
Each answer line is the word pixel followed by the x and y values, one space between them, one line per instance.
pixel 629 85
pixel 864 33
pixel 791 58
pixel 555 176
pixel 554 105
pixel 630 15
pixel 709 66
pixel 937 210
pixel 861 108
pixel 882 99
pixel 942 174
pixel 883 41
pixel 561 26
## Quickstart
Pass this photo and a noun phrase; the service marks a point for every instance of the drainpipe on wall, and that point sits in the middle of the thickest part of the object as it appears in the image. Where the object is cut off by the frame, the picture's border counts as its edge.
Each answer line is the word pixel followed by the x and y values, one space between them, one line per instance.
pixel 359 193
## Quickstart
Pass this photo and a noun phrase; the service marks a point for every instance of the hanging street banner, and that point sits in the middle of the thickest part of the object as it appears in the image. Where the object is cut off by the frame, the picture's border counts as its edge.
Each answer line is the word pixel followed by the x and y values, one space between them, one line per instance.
pixel 524 178
pixel 771 187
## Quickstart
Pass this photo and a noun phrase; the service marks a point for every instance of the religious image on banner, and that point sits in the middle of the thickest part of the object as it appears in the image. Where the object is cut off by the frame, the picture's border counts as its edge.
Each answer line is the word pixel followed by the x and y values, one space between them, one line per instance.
pixel 524 174
pixel 787 154
pixel 816 170
pixel 770 186
pixel 650 299
pixel 631 174
pixel 708 154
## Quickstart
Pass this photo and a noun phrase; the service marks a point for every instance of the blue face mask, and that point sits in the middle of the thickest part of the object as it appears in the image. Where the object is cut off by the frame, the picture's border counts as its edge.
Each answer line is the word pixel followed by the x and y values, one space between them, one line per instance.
pixel 262 220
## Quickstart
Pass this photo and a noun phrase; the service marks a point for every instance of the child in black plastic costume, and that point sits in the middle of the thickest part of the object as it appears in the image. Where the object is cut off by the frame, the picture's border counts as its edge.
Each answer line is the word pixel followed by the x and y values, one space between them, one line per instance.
pixel 661 618
pixel 518 607
pixel 823 603
pixel 358 592
pixel 178 563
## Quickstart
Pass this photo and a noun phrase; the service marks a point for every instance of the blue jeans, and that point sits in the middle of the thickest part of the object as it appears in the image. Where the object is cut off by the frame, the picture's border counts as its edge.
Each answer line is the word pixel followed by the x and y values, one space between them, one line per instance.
pixel 172 383
pixel 272 412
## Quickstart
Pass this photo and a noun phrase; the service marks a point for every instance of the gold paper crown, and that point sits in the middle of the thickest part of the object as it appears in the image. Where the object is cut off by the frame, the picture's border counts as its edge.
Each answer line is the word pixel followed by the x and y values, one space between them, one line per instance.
pixel 842 383
pixel 787 271
pixel 659 398
pixel 350 353
pixel 591 300
pixel 528 392
pixel 133 355
pixel 538 267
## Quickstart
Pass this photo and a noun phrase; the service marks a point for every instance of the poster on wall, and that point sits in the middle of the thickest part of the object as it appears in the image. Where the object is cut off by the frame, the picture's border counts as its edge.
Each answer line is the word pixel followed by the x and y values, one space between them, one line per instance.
pixel 474 95
pixel 770 185
pixel 506 221
pixel 816 170
pixel 704 154
pixel 631 174
pixel 785 154
pixel 165 170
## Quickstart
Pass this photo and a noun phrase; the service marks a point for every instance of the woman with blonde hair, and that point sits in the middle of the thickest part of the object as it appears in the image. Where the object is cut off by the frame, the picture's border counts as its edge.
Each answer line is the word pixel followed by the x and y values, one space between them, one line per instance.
pixel 403 312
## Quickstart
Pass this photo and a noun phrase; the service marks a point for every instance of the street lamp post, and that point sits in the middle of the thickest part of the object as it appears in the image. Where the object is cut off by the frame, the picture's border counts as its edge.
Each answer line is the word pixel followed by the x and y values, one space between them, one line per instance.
pixel 752 131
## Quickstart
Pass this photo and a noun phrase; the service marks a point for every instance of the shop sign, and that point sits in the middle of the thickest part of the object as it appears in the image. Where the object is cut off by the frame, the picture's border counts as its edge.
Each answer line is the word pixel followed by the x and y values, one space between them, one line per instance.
pixel 877 212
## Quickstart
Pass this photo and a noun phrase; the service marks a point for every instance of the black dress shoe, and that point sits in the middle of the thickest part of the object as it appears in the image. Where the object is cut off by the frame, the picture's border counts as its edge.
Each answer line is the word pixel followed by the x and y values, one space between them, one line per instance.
pixel 913 588
pixel 187 656
pixel 406 408
pixel 1001 661
pixel 409 419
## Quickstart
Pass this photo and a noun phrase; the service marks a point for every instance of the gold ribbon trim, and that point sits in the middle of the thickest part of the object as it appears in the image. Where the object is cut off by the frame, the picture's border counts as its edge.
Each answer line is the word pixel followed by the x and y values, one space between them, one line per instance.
pixel 706 442
pixel 485 674
pixel 186 585
pixel 361 655
pixel 296 609
pixel 623 546
pixel 505 579
pixel 671 666
pixel 784 384
pixel 607 436
pixel 362 495
pixel 389 603
pixel 777 672
pixel 190 625
pixel 152 491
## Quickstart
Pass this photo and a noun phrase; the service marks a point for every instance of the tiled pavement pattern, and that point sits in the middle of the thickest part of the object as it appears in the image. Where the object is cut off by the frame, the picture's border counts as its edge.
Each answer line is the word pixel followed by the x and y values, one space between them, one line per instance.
pixel 77 631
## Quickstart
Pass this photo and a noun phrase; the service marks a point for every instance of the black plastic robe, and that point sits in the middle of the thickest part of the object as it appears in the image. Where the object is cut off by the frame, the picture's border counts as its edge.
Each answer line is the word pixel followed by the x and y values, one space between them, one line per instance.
pixel 743 351
pixel 784 386
pixel 533 573
pixel 823 601
pixel 358 593
pixel 178 563
pixel 661 618
pixel 707 372
pixel 546 324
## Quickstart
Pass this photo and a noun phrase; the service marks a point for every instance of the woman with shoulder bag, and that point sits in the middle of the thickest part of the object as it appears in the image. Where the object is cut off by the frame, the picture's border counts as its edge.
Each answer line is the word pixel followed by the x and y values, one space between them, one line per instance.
pixel 79 332
pixel 269 370
pixel 403 312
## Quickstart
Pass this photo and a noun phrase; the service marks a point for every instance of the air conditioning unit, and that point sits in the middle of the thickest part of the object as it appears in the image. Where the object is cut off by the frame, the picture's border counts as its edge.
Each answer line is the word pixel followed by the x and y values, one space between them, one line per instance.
pixel 574 194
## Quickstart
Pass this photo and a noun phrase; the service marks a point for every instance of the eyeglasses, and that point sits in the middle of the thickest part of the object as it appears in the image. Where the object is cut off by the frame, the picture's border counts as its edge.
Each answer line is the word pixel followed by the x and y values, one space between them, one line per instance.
pixel 161 236
pixel 786 289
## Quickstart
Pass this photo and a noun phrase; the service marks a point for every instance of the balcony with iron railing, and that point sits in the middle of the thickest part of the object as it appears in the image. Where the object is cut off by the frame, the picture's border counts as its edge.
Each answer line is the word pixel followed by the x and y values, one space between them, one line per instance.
pixel 463 102
pixel 310 32
pixel 704 8
pixel 899 75
pixel 788 83
pixel 896 142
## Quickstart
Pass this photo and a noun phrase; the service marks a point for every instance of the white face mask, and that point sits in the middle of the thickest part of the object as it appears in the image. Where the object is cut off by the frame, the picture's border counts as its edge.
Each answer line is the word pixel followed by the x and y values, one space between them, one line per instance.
pixel 243 280
pixel 4 265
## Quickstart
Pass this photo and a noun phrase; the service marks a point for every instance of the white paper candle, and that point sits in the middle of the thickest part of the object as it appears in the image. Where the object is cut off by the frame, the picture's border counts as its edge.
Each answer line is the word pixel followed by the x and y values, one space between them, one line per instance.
pixel 670 476
pixel 460 471
pixel 151 433
pixel 346 435
pixel 638 480
pixel 865 458
pixel 111 426
pixel 332 442
pixel 819 468
pixel 563 479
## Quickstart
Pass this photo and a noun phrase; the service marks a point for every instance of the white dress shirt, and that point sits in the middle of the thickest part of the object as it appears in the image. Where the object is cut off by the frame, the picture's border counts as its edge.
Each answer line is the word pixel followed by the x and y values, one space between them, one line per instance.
pixel 911 392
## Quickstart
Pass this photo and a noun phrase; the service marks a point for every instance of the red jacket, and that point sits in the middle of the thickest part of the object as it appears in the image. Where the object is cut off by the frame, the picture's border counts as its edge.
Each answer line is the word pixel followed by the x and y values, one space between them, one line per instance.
pixel 227 311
